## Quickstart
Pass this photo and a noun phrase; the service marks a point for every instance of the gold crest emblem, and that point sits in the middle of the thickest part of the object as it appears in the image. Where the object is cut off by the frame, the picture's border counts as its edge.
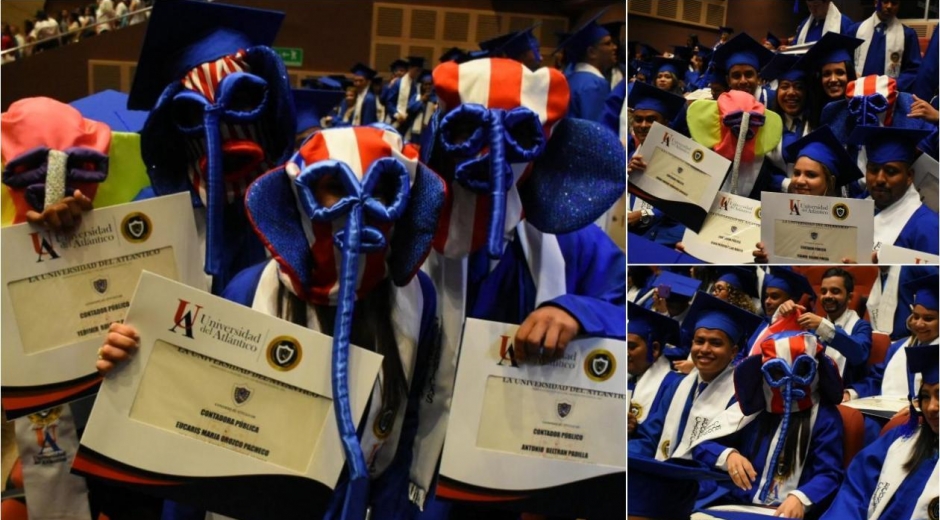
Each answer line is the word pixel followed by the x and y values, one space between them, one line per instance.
pixel 664 448
pixel 136 227
pixel 933 509
pixel 636 409
pixel 45 417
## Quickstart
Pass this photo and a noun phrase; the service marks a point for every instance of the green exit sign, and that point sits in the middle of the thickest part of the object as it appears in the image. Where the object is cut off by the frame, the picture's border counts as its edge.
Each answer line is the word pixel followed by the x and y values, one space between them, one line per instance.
pixel 292 56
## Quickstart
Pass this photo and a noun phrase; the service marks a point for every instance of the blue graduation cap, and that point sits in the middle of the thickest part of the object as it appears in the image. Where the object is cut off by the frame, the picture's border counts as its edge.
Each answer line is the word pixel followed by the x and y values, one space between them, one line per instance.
pixel 646 51
pixel 651 325
pixel 311 105
pixel 613 28
pixel 415 61
pixel 514 44
pixel 713 75
pixel 742 50
pixel 924 290
pixel 709 312
pixel 647 97
pixel 681 52
pixel 583 37
pixel 677 67
pixel 822 146
pixel 362 70
pixel 425 76
pixel 773 40
pixel 790 282
pixel 784 67
pixel 110 107
pixel 398 64
pixel 831 48
pixel 885 144
pixel 186 33
pixel 676 284
pixel 725 29
pixel 665 489
pixel 924 360
pixel 743 278
pixel 643 67
pixel 452 54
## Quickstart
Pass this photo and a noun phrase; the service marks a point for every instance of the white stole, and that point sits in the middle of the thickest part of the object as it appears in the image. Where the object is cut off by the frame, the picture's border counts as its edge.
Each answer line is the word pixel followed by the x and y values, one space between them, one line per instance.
pixel 894 42
pixel 894 380
pixel 893 475
pixel 779 490
pixel 890 221
pixel 647 385
pixel 833 23
pixel 587 67
pixel 847 322
pixel 883 301
pixel 408 303
pixel 404 91
pixel 708 417
pixel 357 113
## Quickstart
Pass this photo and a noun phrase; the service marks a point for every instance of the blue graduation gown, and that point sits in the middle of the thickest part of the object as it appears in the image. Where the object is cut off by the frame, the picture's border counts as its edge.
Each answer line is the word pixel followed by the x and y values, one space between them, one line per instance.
pixel 854 496
pixel 389 491
pixel 815 31
pixel 646 437
pixel 390 99
pixel 921 232
pixel 871 385
pixel 926 83
pixel 613 106
pixel 588 93
pixel 822 469
pixel 664 395
pixel 595 276
pixel 368 111
pixel 910 59
pixel 855 345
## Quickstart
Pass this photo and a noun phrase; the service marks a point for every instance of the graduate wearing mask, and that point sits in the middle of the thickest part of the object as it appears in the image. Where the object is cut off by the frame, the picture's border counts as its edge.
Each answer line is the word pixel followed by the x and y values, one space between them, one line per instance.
pixel 221 114
pixel 788 452
pixel 897 476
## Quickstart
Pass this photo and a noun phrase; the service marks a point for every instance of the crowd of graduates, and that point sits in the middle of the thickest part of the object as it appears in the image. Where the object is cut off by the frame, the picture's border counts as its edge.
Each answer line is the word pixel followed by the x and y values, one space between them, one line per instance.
pixel 840 109
pixel 743 372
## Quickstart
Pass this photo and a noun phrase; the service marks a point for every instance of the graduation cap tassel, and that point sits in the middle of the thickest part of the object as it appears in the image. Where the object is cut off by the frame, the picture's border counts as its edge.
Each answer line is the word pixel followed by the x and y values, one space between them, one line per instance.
pixel 738 149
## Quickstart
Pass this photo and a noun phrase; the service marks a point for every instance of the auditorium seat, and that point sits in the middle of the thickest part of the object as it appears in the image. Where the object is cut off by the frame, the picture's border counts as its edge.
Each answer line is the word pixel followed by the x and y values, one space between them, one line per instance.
pixel 894 423
pixel 854 440
pixel 880 342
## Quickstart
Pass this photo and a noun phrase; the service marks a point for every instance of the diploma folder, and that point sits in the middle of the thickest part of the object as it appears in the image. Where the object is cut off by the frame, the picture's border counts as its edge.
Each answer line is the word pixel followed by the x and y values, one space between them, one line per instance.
pixel 223 408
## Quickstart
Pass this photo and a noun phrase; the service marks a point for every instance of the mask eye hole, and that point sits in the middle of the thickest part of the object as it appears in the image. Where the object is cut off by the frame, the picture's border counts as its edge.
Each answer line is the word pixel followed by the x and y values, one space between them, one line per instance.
pixel 804 368
pixel 386 189
pixel 243 95
pixel 188 113
pixel 462 130
pixel 28 168
pixel 328 190
pixel 776 371
pixel 87 165
pixel 524 136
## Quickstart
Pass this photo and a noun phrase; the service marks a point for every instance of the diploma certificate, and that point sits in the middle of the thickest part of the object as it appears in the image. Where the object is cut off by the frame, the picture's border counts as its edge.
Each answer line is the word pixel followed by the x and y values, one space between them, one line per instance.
pixel 878 406
pixel 681 178
pixel 62 291
pixel 730 233
pixel 926 171
pixel 222 405
pixel 550 437
pixel 894 255
pixel 804 229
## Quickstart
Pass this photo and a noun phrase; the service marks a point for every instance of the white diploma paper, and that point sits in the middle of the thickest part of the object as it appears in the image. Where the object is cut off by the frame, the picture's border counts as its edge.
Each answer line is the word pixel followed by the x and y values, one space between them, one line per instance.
pixel 61 291
pixel 730 233
pixel 681 178
pixel 804 229
pixel 926 172
pixel 894 255
pixel 879 406
pixel 220 390
pixel 533 427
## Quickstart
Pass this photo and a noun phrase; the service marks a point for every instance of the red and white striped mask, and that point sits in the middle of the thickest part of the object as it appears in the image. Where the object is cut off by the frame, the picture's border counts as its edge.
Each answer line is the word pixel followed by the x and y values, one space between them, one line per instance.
pixel 790 371
pixel 227 82
pixel 871 100
pixel 369 168
pixel 497 117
